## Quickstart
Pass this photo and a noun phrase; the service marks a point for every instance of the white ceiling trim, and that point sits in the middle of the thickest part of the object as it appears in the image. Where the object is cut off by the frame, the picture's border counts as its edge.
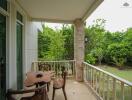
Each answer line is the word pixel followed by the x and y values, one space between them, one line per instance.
pixel 92 9
pixel 52 20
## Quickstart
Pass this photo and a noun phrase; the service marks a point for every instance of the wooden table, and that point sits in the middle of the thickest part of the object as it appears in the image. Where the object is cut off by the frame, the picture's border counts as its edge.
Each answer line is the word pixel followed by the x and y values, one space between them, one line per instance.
pixel 32 78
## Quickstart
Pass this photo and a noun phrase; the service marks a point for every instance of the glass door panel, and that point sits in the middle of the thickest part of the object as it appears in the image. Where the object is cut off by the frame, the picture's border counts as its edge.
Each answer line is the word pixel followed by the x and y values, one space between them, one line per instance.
pixel 19 31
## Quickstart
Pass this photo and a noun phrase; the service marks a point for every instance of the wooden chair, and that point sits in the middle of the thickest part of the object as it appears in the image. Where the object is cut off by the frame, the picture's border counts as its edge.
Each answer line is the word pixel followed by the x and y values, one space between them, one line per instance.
pixel 37 94
pixel 44 67
pixel 59 83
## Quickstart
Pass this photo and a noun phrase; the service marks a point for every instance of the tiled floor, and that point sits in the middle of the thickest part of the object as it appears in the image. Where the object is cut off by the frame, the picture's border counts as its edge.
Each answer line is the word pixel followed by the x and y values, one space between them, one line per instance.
pixel 74 90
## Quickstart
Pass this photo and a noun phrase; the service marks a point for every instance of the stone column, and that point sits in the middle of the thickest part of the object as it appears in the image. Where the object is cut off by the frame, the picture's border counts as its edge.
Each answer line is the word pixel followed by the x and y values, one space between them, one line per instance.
pixel 79 48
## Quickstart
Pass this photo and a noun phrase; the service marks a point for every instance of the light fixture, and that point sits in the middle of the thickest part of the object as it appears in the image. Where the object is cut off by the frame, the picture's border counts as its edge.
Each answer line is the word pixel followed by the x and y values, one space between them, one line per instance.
pixel 86 40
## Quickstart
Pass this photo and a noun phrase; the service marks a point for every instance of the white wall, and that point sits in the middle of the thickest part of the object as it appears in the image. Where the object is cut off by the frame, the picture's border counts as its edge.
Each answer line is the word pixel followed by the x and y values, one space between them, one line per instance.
pixel 29 43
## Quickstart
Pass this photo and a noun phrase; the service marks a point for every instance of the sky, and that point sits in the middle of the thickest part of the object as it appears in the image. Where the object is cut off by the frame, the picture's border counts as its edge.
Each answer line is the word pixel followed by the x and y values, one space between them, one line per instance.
pixel 117 16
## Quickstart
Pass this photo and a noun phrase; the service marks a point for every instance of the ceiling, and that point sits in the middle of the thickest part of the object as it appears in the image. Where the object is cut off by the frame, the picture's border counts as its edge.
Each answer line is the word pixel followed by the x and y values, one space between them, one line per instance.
pixel 65 11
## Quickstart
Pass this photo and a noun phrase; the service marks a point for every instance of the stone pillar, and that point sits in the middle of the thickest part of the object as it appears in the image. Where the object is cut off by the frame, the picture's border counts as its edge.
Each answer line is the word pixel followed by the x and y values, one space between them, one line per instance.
pixel 79 48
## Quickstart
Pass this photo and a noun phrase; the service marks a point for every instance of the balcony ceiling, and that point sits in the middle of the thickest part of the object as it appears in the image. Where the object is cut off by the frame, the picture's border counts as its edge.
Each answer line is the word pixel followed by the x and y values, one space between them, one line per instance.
pixel 65 11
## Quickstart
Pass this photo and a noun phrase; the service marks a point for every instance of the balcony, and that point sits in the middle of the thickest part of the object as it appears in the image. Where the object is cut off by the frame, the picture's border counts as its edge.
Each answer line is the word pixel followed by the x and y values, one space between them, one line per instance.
pixel 98 84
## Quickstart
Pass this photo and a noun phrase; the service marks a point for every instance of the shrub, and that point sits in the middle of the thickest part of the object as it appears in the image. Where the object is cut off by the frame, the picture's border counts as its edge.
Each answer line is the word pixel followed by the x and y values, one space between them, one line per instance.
pixel 118 53
pixel 90 59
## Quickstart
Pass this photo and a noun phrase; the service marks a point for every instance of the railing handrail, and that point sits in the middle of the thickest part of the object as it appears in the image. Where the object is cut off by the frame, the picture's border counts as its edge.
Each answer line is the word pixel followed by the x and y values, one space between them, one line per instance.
pixel 112 75
pixel 54 61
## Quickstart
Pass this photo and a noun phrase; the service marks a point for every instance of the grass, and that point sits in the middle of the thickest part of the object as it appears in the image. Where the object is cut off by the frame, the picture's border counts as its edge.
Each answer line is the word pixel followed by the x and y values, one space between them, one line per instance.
pixel 126 73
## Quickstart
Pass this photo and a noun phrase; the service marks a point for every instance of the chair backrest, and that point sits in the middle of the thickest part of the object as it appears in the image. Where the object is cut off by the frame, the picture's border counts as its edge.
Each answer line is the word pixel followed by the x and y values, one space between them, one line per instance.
pixel 44 67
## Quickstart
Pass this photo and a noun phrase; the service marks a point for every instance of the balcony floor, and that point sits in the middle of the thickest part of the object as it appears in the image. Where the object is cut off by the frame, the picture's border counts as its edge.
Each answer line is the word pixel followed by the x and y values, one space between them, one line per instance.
pixel 75 91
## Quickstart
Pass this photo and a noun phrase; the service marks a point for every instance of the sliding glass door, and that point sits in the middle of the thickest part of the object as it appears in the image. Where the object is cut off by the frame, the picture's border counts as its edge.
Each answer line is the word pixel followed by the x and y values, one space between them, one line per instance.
pixel 2 57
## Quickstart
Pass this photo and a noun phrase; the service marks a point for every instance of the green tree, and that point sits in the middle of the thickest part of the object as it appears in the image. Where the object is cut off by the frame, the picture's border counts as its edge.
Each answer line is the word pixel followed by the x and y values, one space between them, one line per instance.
pixel 95 35
pixel 128 42
pixel 68 33
pixel 56 48
pixel 50 44
pixel 118 53
pixel 98 52
pixel 43 42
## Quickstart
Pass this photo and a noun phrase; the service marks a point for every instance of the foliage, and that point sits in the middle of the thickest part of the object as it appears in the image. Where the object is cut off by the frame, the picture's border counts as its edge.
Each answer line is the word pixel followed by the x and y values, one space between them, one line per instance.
pixel 95 35
pixel 101 46
pixel 90 59
pixel 55 44
pixel 56 47
pixel 107 47
pixel 98 52
pixel 68 34
pixel 43 42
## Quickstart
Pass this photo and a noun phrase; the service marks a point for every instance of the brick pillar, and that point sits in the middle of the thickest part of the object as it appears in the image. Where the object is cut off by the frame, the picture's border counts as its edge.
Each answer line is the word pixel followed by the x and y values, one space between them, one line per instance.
pixel 79 47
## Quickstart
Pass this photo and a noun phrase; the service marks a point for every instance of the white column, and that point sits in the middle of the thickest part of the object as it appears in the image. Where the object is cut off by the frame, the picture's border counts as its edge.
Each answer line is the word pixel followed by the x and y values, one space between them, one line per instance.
pixel 79 47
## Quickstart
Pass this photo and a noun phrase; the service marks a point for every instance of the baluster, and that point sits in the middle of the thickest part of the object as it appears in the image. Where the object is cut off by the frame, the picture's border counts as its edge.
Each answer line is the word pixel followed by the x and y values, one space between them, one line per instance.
pixel 131 92
pixel 100 83
pixel 96 81
pixel 58 68
pixel 74 68
pixel 54 67
pixel 86 73
pixel 89 74
pixel 103 85
pixel 68 68
pixel 33 66
pixel 36 66
pixel 114 89
pixel 122 91
pixel 108 84
pixel 93 78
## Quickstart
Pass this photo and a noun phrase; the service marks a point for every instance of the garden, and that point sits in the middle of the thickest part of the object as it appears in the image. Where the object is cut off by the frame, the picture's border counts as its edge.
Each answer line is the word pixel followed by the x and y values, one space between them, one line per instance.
pixel 113 49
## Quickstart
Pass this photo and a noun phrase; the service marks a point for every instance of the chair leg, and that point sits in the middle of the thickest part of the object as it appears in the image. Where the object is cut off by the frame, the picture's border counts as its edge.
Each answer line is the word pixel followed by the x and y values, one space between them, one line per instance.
pixel 53 95
pixel 48 87
pixel 64 92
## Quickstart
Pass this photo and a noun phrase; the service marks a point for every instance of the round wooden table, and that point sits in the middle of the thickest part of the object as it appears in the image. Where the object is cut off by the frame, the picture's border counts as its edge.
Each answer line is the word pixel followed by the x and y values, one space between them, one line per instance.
pixel 34 78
